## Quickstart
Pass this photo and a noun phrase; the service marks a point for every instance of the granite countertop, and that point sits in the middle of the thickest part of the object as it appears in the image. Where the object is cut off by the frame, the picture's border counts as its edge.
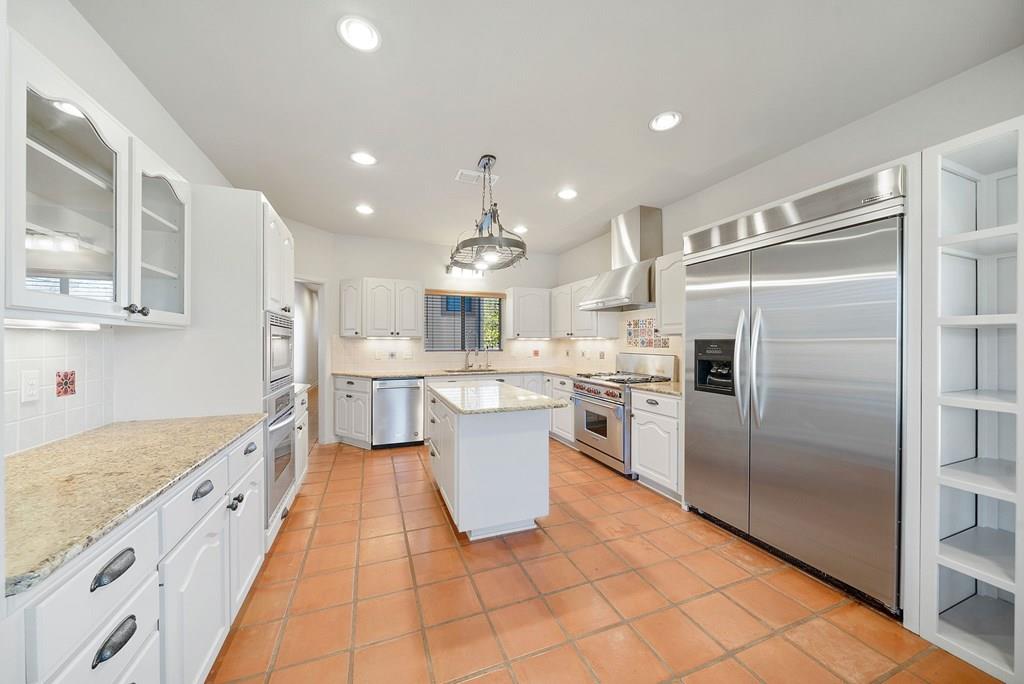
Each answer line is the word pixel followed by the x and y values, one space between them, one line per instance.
pixel 486 396
pixel 441 373
pixel 300 387
pixel 674 389
pixel 64 496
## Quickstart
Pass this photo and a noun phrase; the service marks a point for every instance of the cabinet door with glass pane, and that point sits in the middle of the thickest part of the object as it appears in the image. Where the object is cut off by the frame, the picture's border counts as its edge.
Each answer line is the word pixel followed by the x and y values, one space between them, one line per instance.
pixel 160 243
pixel 68 220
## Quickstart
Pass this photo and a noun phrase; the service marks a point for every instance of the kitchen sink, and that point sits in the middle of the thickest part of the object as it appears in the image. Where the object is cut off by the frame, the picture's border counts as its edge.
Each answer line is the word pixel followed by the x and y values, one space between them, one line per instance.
pixel 469 370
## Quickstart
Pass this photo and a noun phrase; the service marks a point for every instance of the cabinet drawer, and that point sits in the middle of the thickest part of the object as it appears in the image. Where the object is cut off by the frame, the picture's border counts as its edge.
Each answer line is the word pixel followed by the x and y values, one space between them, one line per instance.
pixel 560 382
pixel 352 384
pixel 656 403
pixel 248 451
pixel 116 644
pixel 146 666
pixel 59 622
pixel 301 404
pixel 202 493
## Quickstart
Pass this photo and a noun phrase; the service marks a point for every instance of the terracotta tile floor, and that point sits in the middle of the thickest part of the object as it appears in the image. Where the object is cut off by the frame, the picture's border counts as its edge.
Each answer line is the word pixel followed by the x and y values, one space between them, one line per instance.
pixel 369 582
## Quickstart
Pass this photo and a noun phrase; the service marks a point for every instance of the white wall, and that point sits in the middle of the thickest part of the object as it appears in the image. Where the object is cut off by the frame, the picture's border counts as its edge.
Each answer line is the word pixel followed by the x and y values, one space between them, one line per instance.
pixel 307 322
pixel 328 257
pixel 89 354
pixel 57 30
pixel 986 94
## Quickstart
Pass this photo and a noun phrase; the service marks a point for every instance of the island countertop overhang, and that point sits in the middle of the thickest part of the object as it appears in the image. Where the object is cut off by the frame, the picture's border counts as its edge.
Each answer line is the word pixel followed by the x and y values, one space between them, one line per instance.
pixel 471 397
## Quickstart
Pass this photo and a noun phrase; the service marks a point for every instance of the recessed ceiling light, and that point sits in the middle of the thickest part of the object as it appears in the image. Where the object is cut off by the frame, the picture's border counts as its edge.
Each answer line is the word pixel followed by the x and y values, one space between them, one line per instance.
pixel 364 209
pixel 359 34
pixel 69 108
pixel 665 121
pixel 363 158
pixel 520 229
pixel 567 193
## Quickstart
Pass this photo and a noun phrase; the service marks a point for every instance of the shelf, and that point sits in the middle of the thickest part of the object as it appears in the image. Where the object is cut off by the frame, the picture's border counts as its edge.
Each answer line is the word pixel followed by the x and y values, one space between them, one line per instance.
pixel 991 477
pixel 984 553
pixel 152 221
pixel 1000 401
pixel 36 228
pixel 156 270
pixel 979 321
pixel 69 165
pixel 65 184
pixel 982 243
pixel 983 627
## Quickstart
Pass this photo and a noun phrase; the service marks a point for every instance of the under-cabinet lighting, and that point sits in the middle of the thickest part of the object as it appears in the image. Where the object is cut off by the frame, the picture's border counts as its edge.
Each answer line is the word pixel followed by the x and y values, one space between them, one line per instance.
pixel 41 324
pixel 387 338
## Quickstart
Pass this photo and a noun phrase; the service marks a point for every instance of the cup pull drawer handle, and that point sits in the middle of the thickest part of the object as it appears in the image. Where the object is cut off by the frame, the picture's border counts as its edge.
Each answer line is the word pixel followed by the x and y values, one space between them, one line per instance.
pixel 652 402
pixel 121 635
pixel 249 448
pixel 114 569
pixel 202 490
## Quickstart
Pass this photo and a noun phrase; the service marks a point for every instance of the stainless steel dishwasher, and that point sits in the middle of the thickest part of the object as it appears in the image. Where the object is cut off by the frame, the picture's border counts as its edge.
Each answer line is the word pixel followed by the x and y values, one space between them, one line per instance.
pixel 397 412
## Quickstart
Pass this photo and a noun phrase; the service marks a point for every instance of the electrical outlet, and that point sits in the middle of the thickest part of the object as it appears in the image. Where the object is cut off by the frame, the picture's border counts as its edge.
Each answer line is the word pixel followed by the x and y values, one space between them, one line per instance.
pixel 29 386
pixel 600 355
pixel 536 353
pixel 583 354
pixel 566 353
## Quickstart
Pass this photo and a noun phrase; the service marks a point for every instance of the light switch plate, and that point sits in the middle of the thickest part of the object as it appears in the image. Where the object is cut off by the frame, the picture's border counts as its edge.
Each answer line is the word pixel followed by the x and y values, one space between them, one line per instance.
pixel 600 355
pixel 29 386
pixel 392 355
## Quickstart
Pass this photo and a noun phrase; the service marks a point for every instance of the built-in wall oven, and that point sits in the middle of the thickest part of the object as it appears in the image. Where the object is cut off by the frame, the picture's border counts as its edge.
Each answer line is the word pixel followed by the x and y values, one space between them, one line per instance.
pixel 278 353
pixel 280 459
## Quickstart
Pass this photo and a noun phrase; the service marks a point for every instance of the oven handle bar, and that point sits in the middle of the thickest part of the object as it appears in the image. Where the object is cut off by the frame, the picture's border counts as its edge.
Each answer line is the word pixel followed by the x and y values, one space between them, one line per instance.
pixel 619 408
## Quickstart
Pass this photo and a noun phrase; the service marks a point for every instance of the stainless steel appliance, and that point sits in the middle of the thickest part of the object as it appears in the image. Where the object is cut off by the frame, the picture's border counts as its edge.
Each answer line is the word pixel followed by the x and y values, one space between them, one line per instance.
pixel 636 243
pixel 397 413
pixel 602 403
pixel 278 352
pixel 793 379
pixel 280 452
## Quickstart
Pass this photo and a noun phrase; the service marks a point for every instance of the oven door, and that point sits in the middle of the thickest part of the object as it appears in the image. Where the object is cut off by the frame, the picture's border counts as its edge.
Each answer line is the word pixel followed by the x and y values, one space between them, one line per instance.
pixel 280 461
pixel 279 353
pixel 598 424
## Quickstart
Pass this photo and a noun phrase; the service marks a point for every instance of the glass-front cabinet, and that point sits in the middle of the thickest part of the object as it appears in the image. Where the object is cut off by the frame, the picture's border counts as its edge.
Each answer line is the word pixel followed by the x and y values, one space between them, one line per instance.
pixel 68 207
pixel 98 225
pixel 160 240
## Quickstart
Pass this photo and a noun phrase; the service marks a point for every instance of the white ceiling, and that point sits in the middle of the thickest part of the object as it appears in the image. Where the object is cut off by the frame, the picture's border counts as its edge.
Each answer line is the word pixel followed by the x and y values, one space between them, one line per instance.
pixel 560 90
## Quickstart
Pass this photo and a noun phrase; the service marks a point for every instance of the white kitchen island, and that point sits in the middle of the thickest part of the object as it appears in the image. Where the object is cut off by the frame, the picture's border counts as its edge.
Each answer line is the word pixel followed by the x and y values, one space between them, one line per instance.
pixel 488 446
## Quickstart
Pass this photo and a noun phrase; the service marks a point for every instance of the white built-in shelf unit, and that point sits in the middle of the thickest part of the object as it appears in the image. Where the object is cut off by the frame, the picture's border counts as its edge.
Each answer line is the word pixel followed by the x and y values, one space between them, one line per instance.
pixel 971 345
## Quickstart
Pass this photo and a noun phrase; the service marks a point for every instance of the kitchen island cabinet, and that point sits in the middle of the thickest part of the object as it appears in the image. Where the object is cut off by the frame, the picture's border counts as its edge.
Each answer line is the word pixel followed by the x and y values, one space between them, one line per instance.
pixel 489 454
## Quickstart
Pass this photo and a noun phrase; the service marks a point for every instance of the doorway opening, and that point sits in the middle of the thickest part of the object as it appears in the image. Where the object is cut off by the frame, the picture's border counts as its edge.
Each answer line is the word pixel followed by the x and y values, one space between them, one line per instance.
pixel 307 349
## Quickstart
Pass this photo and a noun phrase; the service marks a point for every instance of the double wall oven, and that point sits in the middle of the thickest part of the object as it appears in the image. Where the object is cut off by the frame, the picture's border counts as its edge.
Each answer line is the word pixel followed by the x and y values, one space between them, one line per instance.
pixel 279 405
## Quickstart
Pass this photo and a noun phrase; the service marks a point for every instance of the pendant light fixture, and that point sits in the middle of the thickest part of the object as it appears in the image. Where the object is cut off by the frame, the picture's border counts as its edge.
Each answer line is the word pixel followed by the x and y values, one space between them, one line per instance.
pixel 490 247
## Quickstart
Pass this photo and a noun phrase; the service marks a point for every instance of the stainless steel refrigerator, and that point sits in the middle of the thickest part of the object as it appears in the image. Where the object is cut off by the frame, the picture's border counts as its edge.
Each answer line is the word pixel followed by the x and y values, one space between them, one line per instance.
pixel 793 378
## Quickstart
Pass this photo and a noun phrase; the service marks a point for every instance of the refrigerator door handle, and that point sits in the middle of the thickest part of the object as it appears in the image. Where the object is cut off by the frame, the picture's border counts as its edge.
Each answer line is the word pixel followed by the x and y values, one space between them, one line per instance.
pixel 741 404
pixel 755 344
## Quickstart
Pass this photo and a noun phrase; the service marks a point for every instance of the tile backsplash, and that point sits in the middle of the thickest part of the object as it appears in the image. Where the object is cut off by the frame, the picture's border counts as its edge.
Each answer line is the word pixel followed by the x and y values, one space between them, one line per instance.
pixel 75 385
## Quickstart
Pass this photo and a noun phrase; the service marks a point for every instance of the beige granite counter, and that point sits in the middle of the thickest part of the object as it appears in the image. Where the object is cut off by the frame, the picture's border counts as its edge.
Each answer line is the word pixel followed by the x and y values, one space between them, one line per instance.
pixel 64 496
pixel 674 389
pixel 486 396
pixel 441 373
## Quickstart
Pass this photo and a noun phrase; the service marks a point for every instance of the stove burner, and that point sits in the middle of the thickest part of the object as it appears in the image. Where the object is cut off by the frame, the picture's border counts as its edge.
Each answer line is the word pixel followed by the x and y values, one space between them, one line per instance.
pixel 624 378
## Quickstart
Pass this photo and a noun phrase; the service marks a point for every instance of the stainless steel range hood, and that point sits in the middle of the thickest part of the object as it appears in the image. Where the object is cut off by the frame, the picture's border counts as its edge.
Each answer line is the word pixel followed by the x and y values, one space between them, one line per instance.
pixel 636 242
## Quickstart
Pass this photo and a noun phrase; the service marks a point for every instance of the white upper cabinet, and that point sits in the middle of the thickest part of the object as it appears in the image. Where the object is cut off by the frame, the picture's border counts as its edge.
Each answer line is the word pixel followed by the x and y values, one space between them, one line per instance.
pixel 381 307
pixel 568 321
pixel 68 222
pixel 561 311
pixel 408 308
pixel 352 308
pixel 669 298
pixel 161 240
pixel 278 264
pixel 527 312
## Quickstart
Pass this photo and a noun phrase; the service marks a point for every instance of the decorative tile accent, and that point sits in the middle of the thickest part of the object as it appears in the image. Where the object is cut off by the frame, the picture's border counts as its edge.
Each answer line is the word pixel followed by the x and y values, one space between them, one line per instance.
pixel 65 383
pixel 640 333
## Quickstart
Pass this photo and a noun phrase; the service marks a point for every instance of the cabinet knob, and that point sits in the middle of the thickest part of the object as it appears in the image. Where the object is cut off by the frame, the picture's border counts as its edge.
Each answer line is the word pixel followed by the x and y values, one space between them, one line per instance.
pixel 517 334
pixel 286 309
pixel 356 332
pixel 202 490
pixel 348 396
pixel 233 506
pixel 144 311
pixel 131 308
pixel 240 498
pixel 249 448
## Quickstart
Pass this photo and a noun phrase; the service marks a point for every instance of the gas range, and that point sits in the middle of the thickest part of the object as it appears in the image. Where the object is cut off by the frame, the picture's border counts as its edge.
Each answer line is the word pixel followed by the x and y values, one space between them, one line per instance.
pixel 610 386
pixel 602 404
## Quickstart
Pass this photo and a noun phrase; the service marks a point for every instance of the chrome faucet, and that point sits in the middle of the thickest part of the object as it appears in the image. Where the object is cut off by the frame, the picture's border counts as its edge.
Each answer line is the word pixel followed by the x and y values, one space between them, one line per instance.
pixel 466 365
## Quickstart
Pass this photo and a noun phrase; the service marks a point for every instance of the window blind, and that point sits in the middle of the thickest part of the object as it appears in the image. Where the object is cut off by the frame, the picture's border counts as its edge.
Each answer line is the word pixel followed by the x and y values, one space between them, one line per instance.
pixel 462 322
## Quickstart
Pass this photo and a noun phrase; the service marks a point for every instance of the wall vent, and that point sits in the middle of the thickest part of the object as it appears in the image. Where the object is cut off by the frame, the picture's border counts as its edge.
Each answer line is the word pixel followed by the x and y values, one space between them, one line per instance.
pixel 473 177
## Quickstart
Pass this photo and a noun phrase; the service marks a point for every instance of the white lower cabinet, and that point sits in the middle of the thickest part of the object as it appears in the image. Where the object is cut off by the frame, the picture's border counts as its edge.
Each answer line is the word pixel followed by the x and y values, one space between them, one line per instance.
pixel 534 383
pixel 245 533
pixel 562 418
pixel 146 666
pixel 352 415
pixel 301 446
pixel 196 601
pixel 655 446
